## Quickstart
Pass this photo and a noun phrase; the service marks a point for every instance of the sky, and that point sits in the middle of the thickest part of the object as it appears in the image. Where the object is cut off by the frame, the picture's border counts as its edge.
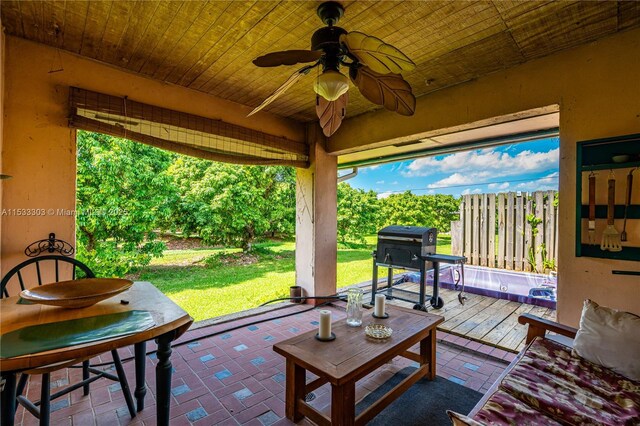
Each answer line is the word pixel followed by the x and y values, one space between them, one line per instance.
pixel 527 166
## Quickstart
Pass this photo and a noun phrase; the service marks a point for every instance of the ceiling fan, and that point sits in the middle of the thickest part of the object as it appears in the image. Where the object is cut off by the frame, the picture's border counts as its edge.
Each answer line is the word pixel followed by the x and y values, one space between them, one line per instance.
pixel 373 66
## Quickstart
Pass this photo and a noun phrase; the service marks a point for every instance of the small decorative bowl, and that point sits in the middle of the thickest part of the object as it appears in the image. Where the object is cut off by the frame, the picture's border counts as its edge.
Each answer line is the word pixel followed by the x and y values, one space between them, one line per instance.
pixel 378 331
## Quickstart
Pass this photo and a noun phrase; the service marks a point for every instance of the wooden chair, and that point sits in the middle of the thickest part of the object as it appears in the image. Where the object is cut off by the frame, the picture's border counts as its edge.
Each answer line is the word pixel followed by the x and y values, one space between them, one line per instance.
pixel 39 267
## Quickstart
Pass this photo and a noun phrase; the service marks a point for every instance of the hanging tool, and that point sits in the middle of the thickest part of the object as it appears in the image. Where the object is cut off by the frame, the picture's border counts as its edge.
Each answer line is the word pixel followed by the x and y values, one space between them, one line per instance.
pixel 610 236
pixel 592 208
pixel 462 298
pixel 623 234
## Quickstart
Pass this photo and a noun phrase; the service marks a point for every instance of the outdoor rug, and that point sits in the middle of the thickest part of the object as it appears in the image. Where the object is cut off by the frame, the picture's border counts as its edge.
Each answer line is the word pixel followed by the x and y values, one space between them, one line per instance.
pixel 425 403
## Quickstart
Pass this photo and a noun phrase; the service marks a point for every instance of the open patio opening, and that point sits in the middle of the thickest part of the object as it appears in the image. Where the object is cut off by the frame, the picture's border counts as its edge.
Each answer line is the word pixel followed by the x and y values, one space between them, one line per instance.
pixel 508 238
pixel 117 116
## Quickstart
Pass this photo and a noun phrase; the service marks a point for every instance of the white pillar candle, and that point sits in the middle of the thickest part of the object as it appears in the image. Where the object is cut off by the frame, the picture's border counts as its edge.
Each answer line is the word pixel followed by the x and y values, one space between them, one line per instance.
pixel 325 324
pixel 379 307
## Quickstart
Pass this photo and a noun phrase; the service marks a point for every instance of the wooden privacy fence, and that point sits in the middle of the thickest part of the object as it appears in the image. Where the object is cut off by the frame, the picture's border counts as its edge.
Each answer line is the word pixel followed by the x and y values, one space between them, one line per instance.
pixel 517 231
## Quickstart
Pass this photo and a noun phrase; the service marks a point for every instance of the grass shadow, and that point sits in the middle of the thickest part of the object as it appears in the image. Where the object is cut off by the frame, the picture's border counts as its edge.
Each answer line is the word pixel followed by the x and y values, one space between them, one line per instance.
pixel 172 279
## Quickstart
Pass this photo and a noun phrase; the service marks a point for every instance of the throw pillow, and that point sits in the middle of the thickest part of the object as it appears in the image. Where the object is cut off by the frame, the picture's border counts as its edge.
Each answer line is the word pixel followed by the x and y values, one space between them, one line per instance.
pixel 610 338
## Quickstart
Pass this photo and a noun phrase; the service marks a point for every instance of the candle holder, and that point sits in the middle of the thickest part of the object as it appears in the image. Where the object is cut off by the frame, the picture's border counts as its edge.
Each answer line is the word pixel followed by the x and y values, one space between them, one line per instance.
pixel 385 316
pixel 333 337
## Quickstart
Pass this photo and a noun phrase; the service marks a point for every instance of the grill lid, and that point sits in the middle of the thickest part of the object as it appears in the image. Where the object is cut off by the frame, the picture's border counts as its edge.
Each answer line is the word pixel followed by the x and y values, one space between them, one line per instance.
pixel 415 232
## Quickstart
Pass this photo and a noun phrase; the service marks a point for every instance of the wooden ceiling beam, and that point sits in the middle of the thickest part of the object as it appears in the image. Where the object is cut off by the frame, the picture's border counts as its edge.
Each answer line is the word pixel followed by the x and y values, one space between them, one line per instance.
pixel 484 102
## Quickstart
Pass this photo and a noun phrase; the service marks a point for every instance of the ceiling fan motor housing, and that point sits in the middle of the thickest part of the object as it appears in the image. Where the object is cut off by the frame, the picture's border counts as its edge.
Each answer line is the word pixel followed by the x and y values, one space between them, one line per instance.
pixel 327 39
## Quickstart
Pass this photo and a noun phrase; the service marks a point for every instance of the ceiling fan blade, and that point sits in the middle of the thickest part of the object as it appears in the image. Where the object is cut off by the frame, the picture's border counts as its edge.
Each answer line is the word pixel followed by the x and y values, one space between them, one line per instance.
pixel 331 113
pixel 376 54
pixel 283 88
pixel 287 57
pixel 389 90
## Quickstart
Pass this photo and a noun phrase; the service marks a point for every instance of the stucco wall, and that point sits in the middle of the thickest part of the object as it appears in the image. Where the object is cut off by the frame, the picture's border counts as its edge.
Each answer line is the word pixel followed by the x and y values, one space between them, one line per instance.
pixel 40 148
pixel 597 88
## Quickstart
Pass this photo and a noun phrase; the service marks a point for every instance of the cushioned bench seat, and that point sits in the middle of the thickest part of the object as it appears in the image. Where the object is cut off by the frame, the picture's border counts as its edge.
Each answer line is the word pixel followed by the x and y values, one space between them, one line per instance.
pixel 547 383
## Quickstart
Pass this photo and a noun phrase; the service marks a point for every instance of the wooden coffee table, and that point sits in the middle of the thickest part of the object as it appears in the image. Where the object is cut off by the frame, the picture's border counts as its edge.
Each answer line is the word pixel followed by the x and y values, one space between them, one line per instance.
pixel 352 356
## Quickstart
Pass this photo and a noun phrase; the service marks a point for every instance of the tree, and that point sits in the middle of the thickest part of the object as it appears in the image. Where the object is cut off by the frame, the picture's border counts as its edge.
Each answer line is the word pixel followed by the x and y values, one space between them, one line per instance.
pixel 123 192
pixel 233 205
pixel 282 211
pixel 357 213
pixel 419 210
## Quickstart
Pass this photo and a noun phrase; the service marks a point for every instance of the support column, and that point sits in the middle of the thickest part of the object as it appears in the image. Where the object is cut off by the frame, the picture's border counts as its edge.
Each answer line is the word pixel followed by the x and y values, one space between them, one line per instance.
pixel 316 219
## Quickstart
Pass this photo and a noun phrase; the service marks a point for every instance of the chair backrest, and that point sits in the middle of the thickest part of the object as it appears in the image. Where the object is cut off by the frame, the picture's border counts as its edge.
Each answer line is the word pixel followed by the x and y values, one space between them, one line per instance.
pixel 39 266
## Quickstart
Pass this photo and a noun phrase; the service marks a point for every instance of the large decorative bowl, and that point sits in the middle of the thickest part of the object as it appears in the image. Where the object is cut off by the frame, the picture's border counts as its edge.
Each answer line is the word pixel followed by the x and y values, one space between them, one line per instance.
pixel 77 293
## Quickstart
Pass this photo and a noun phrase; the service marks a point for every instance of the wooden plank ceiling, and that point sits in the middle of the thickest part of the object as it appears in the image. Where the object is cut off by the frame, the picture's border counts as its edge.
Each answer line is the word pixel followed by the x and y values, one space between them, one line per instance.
pixel 208 46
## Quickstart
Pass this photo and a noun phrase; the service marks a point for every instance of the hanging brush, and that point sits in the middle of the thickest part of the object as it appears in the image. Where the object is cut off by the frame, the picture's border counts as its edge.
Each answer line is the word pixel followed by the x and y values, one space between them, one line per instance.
pixel 623 234
pixel 610 236
pixel 592 209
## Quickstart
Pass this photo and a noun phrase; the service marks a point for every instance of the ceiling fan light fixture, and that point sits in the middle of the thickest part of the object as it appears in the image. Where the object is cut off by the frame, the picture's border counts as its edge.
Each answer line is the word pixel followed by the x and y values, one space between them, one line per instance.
pixel 331 84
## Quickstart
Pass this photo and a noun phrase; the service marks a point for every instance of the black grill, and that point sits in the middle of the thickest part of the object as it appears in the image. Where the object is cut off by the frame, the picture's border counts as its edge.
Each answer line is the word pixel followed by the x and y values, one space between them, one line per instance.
pixel 414 248
pixel 405 246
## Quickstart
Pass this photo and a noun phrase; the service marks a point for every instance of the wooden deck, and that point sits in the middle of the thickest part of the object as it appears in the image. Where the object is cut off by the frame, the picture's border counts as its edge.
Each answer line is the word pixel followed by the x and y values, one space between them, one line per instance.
pixel 483 319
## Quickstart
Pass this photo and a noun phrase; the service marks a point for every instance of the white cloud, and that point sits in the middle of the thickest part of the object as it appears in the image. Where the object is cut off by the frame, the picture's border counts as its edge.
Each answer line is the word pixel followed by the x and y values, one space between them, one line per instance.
pixel 486 165
pixel 380 182
pixel 395 182
pixel 546 183
pixel 485 162
pixel 384 194
pixel 454 179
pixel 471 191
pixel 422 167
pixel 375 166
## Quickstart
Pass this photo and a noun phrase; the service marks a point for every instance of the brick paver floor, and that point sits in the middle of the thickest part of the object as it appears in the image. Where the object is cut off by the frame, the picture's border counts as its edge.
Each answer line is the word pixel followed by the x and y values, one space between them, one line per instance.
pixel 228 374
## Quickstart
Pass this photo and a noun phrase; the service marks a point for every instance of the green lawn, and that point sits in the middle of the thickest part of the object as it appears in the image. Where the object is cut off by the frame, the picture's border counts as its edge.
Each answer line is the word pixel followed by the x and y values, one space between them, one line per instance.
pixel 208 289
